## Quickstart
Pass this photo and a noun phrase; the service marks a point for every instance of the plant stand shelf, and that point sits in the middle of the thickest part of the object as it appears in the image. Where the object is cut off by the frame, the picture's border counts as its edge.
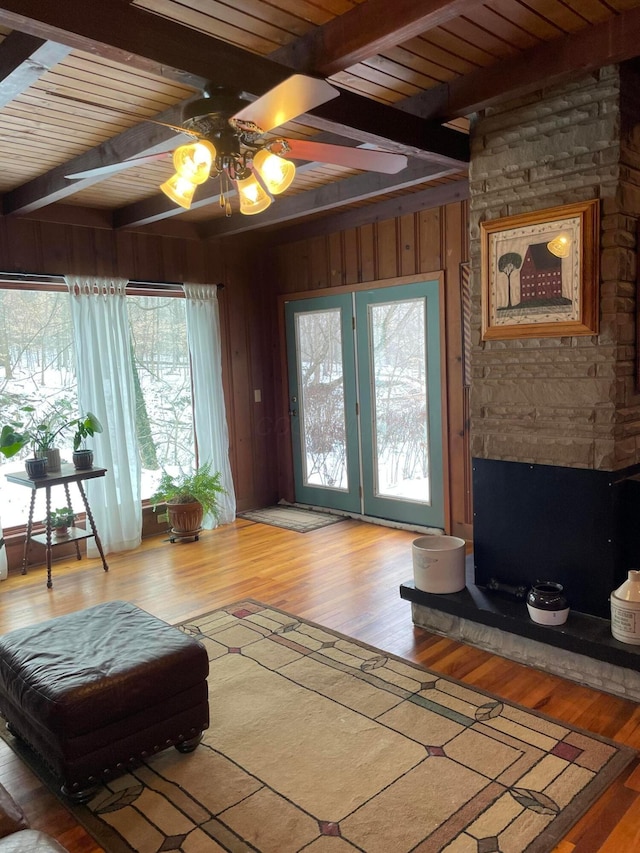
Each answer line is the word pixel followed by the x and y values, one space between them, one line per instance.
pixel 67 474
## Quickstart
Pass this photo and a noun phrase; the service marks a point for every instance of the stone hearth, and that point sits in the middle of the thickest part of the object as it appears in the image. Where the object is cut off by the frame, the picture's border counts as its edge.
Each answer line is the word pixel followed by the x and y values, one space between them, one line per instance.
pixel 582 650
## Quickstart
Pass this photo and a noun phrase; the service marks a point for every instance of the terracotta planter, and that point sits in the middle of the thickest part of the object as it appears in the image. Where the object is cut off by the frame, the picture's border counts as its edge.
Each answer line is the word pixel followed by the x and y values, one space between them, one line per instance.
pixel 185 519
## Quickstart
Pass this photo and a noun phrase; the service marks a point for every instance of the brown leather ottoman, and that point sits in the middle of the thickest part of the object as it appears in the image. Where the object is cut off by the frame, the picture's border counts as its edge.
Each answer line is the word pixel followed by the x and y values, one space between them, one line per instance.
pixel 96 691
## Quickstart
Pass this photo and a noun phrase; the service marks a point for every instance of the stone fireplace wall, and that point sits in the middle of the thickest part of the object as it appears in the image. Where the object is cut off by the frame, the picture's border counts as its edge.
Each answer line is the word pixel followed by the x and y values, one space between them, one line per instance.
pixel 555 422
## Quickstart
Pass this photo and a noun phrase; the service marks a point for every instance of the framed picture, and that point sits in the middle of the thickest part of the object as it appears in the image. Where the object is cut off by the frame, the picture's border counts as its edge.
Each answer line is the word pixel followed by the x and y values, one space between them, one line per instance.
pixel 540 273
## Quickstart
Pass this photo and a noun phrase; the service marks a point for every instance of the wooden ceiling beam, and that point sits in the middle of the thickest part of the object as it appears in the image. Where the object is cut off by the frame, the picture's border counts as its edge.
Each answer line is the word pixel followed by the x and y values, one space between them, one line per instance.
pixel 139 39
pixel 53 186
pixel 390 208
pixel 160 207
pixel 23 60
pixel 615 40
pixel 327 197
pixel 90 217
pixel 366 30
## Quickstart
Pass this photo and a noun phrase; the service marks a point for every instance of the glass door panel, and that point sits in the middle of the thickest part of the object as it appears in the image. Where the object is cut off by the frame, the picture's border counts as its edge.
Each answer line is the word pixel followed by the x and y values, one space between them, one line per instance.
pixel 397 367
pixel 398 334
pixel 322 396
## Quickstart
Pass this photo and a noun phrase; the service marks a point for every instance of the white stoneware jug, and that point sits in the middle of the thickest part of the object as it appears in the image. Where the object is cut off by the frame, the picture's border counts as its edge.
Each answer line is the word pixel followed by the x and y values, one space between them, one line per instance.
pixel 625 610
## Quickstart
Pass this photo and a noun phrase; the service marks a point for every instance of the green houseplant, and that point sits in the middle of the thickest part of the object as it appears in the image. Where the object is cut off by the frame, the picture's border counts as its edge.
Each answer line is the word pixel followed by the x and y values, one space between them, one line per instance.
pixel 37 429
pixel 188 497
pixel 60 520
pixel 40 430
pixel 86 426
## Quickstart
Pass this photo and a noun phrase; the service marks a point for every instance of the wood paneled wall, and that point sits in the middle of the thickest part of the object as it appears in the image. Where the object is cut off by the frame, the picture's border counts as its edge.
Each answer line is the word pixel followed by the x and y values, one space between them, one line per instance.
pixel 424 242
pixel 254 274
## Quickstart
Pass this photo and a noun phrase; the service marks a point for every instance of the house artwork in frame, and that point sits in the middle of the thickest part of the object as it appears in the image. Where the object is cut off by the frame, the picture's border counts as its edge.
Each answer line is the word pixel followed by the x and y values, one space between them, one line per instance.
pixel 540 273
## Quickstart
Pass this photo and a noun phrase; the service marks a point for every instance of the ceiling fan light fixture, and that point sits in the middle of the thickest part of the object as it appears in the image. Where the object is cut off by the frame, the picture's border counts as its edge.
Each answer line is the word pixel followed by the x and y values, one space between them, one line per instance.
pixel 193 162
pixel 276 172
pixel 179 190
pixel 253 197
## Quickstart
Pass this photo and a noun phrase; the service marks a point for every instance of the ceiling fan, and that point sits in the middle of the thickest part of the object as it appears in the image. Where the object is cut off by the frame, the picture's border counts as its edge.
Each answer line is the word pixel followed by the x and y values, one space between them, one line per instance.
pixel 230 143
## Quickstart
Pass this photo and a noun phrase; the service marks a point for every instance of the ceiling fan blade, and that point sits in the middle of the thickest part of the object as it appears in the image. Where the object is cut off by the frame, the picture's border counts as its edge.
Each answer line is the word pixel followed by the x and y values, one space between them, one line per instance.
pixel 341 155
pixel 294 96
pixel 104 171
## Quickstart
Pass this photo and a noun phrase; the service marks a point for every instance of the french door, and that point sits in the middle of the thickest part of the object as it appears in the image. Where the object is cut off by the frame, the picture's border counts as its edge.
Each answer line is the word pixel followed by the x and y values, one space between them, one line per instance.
pixel 365 402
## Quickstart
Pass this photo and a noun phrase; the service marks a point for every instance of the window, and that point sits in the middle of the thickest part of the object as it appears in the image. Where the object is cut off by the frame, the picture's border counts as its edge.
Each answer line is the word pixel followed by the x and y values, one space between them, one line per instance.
pixel 164 408
pixel 37 368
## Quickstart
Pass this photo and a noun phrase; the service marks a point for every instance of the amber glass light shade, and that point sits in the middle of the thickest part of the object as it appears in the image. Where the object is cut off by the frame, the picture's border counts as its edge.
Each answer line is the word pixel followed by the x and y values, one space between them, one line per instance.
pixel 253 198
pixel 193 162
pixel 179 190
pixel 276 172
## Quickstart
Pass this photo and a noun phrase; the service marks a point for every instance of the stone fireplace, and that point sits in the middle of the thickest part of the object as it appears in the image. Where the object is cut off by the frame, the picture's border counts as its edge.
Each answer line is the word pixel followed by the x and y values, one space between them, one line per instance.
pixel 555 422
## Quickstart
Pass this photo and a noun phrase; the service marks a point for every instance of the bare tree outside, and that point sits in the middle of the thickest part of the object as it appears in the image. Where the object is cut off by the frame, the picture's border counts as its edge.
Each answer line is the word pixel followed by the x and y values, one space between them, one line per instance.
pixel 321 385
pixel 164 406
pixel 398 368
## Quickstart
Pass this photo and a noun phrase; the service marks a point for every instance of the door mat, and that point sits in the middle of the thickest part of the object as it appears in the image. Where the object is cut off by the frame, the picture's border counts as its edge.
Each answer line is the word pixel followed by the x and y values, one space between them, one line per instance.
pixel 291 518
pixel 319 742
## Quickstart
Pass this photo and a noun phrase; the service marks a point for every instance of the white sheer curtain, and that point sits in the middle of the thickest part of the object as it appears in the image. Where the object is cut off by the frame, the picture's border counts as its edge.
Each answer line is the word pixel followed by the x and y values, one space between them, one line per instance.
pixel 3 556
pixel 210 420
pixel 106 388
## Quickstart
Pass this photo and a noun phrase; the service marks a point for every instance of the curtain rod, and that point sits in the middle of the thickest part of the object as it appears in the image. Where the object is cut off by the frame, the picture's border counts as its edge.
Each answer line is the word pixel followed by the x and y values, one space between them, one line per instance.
pixel 59 279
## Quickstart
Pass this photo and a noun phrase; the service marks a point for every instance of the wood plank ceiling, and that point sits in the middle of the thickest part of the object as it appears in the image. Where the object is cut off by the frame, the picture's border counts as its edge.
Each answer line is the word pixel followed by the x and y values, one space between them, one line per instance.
pixel 78 91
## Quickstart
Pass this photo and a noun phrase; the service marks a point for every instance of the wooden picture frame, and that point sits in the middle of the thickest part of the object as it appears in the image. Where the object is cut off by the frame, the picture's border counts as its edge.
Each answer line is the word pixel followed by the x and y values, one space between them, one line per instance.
pixel 540 273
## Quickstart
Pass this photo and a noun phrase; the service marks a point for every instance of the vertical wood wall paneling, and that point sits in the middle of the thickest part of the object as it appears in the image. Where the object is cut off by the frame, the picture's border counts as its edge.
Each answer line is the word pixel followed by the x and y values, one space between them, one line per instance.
pixel 430 239
pixel 319 263
pixel 337 262
pixel 368 253
pixel 351 248
pixel 387 249
pixel 239 284
pixel 418 243
pixel 407 249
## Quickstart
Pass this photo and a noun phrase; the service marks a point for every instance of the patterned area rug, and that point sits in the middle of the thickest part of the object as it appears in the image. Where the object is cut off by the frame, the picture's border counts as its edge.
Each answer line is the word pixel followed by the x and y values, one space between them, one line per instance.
pixel 323 744
pixel 291 518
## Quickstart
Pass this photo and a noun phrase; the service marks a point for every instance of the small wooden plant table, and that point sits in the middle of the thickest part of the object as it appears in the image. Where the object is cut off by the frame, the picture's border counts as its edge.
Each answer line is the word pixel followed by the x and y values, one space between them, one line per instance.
pixel 67 474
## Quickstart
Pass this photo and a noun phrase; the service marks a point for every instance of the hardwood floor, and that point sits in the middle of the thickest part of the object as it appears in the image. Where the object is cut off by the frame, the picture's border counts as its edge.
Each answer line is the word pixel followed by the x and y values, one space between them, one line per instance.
pixel 345 577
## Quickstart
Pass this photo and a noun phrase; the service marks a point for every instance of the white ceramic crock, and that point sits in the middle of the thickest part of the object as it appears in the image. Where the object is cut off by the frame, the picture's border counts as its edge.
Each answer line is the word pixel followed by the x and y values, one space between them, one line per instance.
pixel 438 563
pixel 625 610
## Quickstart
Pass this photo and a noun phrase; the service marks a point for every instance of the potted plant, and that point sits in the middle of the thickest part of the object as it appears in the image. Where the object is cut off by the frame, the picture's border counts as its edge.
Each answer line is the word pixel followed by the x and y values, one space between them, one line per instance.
pixel 41 430
pixel 85 427
pixel 188 497
pixel 30 429
pixel 60 520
